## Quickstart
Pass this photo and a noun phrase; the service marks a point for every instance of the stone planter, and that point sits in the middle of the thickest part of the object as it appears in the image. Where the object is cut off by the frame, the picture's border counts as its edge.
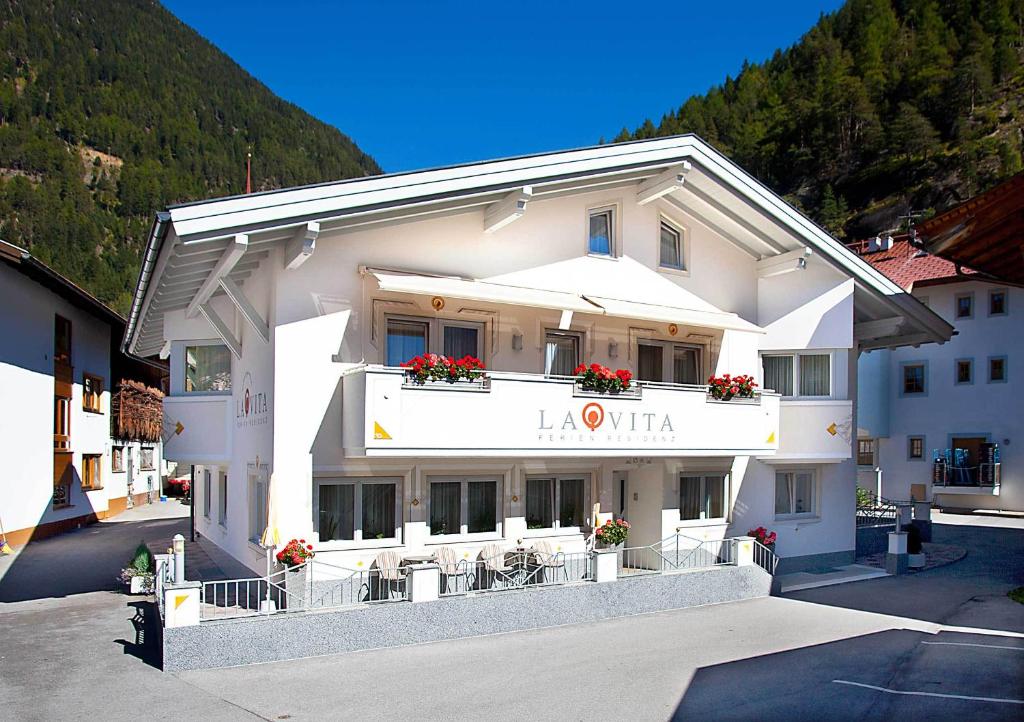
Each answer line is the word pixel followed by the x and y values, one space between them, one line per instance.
pixel 916 561
pixel 139 585
pixel 610 547
pixel 297 585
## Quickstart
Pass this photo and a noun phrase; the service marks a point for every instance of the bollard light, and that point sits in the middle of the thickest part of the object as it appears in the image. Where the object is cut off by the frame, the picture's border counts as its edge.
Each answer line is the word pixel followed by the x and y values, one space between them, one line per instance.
pixel 178 545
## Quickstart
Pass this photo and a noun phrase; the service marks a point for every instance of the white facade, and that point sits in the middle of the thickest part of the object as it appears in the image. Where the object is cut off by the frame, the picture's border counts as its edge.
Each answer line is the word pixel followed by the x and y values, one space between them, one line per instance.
pixel 308 306
pixel 29 505
pixel 950 410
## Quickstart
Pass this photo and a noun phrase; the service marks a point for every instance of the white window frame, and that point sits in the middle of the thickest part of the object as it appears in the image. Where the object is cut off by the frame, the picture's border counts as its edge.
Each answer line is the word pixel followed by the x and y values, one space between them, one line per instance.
pixel 464 534
pixel 956 305
pixel 1006 302
pixel 704 476
pixel 257 492
pixel 815 495
pixel 796 372
pixel 357 510
pixel 557 479
pixel 684 246
pixel 874 453
pixel 207 493
pixel 222 498
pixel 578 335
pixel 613 228
pixel 667 365
pixel 183 364
pixel 435 332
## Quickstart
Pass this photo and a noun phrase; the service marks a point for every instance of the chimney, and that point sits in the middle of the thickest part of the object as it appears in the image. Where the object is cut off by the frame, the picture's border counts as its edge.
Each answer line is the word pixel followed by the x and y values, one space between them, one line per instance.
pixel 885 245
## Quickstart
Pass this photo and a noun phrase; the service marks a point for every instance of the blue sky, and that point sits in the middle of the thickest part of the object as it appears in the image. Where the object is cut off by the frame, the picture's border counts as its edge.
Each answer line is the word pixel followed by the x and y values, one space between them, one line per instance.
pixel 421 84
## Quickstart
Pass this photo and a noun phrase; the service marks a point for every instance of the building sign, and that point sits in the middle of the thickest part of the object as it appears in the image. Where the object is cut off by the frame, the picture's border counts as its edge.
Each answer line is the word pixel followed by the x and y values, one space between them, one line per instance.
pixel 250 405
pixel 590 424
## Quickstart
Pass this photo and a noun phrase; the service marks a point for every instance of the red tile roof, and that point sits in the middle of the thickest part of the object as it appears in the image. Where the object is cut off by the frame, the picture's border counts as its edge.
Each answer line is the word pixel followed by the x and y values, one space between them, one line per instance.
pixel 908 265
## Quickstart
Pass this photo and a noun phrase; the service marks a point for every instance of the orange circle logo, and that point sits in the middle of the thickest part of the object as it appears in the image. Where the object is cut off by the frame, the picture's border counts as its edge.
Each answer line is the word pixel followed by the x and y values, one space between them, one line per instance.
pixel 593 415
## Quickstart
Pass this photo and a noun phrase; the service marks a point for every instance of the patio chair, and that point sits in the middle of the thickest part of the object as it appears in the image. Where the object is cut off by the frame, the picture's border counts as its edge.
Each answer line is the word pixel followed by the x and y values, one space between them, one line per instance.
pixel 453 568
pixel 390 574
pixel 496 569
pixel 549 561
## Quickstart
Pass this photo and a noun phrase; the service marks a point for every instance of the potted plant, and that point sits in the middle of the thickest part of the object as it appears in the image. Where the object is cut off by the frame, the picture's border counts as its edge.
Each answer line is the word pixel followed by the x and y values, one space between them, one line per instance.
pixel 915 549
pixel 602 379
pixel 727 388
pixel 138 575
pixel 612 534
pixel 764 537
pixel 297 582
pixel 434 368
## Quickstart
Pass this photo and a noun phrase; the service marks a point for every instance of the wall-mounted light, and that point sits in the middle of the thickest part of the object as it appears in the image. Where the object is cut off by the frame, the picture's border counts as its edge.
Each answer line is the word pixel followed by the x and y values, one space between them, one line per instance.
pixel 613 349
pixel 517 342
pixel 802 264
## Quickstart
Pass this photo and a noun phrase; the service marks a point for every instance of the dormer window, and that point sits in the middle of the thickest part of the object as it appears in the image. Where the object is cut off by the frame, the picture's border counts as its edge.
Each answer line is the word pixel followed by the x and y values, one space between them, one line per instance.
pixel 601 241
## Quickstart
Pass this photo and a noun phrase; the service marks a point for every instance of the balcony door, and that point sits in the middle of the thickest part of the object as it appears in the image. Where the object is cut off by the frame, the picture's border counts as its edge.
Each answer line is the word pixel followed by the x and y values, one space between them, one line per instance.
pixel 408 337
pixel 661 361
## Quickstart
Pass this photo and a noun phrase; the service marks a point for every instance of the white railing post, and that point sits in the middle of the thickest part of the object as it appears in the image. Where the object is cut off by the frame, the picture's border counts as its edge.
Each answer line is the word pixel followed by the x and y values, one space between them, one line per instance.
pixel 424 582
pixel 606 565
pixel 904 515
pixel 743 551
pixel 896 559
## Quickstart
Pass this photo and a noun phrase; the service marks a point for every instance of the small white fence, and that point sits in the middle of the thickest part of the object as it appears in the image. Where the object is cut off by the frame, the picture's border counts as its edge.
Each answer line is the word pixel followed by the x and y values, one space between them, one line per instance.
pixel 675 553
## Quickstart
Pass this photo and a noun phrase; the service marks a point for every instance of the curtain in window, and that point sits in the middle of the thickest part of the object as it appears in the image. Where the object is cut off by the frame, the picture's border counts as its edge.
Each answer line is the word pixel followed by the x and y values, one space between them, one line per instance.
pixel 601 233
pixel 540 503
pixel 686 365
pixel 671 251
pixel 378 511
pixel 207 368
pixel 783 492
pixel 814 375
pixel 445 507
pixel 803 498
pixel 778 374
pixel 560 355
pixel 483 502
pixel 460 341
pixel 406 339
pixel 570 504
pixel 714 494
pixel 649 364
pixel 337 512
pixel 689 497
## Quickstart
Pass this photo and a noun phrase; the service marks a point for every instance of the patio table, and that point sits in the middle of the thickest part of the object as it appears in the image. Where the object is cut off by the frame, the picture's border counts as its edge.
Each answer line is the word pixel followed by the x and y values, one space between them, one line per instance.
pixel 418 559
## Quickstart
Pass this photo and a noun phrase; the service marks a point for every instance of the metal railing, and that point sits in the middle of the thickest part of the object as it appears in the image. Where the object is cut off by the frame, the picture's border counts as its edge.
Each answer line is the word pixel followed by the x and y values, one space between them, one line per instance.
pixel 986 476
pixel 162 576
pixel 675 553
pixel 515 569
pixel 765 558
pixel 873 510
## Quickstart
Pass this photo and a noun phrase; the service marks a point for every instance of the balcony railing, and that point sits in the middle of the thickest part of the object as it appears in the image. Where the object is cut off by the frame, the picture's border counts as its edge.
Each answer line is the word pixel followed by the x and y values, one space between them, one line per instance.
pixel 511 414
pixel 985 476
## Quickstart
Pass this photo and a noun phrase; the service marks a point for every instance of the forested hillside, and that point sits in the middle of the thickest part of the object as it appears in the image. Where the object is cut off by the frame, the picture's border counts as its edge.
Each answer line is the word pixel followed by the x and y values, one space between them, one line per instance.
pixel 881 108
pixel 111 109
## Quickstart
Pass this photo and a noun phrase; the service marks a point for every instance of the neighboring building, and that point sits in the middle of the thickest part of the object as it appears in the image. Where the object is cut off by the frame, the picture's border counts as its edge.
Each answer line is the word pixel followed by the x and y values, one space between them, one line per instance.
pixel 953 402
pixel 64 463
pixel 286 315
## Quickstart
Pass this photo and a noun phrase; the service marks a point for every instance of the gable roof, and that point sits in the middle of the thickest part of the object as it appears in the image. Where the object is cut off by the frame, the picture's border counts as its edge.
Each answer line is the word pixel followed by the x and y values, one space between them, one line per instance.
pixel 910 266
pixel 752 216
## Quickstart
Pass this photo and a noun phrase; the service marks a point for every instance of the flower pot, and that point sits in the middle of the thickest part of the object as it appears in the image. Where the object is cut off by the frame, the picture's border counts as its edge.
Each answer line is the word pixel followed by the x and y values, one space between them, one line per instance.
pixel 916 561
pixel 605 545
pixel 140 584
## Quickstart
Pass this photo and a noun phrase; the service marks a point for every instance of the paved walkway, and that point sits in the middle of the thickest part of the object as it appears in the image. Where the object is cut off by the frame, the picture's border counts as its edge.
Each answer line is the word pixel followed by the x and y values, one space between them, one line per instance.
pixel 941 644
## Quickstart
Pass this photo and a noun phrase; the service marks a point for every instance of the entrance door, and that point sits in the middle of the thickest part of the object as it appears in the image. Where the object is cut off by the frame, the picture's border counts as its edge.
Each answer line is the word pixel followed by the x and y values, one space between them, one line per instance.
pixel 620 500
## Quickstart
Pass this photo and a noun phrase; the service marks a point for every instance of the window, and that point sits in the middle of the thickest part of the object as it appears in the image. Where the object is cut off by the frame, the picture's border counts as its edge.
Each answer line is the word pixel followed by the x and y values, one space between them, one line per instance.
pixel 561 352
pixel 997 303
pixel 207 493
pixel 997 369
pixel 810 374
pixel 865 452
pixel 92 393
pixel 61 340
pixel 662 361
pixel 464 505
pixel 671 247
pixel 600 241
pixel 965 305
pixel 146 458
pixel 117 459
pixel 359 510
pixel 915 447
pixel 702 496
pixel 92 472
pixel 207 369
pixel 964 371
pixel 222 500
pixel 411 337
pixel 61 423
pixel 258 482
pixel 794 493
pixel 914 381
pixel 555 502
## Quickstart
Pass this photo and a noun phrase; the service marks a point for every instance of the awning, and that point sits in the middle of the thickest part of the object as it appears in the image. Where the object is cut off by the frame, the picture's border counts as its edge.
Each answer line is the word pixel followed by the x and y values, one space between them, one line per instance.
pixel 470 290
pixel 673 314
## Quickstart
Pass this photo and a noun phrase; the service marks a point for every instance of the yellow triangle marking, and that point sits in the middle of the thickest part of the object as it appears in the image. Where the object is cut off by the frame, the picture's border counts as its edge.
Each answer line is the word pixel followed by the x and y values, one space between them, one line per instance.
pixel 178 428
pixel 379 432
pixel 179 599
pixel 771 438
pixel 832 428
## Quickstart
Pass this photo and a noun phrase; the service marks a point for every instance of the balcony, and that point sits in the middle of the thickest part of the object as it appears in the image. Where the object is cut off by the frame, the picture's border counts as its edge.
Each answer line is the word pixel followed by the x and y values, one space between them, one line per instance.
pixel 513 414
pixel 197 429
pixel 816 429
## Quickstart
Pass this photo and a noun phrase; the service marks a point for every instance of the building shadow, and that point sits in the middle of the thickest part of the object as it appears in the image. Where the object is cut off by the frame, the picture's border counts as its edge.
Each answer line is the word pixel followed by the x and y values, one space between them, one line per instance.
pixel 848 679
pixel 146 645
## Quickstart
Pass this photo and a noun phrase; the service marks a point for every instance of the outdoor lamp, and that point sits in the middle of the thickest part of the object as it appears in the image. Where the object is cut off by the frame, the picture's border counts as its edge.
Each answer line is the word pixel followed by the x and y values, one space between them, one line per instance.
pixel 517 342
pixel 613 349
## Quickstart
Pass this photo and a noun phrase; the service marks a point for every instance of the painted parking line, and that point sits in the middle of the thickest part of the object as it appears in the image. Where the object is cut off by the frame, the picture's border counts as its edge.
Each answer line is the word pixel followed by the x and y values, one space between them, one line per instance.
pixel 999 700
pixel 971 644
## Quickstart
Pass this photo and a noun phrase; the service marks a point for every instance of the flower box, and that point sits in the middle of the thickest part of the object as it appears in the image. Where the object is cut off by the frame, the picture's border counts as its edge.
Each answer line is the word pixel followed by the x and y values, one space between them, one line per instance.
pixel 728 387
pixel 600 379
pixel 432 368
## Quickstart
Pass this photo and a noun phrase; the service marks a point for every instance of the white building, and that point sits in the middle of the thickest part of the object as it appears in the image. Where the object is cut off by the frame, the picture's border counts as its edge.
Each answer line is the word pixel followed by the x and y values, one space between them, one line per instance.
pixel 922 403
pixel 285 316
pixel 59 358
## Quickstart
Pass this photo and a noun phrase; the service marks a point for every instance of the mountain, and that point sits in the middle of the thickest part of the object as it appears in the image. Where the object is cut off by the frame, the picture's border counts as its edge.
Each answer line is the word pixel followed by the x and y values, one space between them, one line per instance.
pixel 881 109
pixel 110 110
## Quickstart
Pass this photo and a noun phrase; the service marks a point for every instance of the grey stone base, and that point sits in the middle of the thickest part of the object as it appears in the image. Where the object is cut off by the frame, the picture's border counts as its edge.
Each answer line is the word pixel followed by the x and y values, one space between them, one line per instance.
pixel 896 564
pixel 815 562
pixel 290 636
